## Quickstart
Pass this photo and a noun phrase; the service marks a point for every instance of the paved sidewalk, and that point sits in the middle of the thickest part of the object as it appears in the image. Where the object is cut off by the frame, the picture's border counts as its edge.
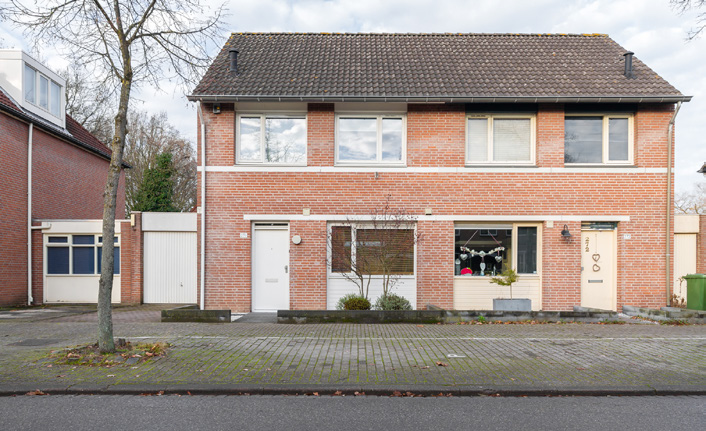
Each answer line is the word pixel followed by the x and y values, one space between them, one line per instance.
pixel 271 358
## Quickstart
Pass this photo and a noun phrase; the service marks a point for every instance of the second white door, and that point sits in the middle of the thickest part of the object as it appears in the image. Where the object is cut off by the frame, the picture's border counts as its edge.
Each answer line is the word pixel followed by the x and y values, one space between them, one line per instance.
pixel 598 269
pixel 270 268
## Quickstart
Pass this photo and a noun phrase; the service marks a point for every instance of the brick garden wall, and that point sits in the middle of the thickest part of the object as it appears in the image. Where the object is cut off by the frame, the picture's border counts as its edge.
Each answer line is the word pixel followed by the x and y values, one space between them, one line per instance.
pixel 131 261
pixel 436 138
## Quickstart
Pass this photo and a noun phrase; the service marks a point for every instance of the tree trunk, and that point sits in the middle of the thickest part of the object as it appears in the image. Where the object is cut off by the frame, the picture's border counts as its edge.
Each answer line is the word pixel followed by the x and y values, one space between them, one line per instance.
pixel 105 289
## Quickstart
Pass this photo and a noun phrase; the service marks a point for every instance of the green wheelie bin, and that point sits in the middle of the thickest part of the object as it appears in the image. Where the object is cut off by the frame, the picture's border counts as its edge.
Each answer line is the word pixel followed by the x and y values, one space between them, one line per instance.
pixel 695 291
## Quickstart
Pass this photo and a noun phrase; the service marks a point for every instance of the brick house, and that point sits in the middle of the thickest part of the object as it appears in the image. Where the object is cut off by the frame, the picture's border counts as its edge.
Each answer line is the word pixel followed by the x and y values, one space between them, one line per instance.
pixel 51 168
pixel 547 154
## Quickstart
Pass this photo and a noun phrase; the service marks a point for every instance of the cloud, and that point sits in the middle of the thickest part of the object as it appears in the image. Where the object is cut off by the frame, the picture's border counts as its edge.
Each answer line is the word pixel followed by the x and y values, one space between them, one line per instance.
pixel 650 28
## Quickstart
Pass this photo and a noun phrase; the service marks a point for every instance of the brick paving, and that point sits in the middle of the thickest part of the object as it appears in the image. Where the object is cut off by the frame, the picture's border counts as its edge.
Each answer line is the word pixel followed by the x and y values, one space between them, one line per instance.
pixel 329 356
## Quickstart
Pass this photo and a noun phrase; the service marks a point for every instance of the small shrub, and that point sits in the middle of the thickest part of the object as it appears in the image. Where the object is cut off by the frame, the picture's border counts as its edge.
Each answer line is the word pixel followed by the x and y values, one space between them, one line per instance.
pixel 506 278
pixel 392 302
pixel 482 319
pixel 677 301
pixel 353 301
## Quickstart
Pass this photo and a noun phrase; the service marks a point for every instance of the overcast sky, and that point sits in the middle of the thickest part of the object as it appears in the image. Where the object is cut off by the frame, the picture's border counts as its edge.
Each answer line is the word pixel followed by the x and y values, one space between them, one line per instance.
pixel 650 28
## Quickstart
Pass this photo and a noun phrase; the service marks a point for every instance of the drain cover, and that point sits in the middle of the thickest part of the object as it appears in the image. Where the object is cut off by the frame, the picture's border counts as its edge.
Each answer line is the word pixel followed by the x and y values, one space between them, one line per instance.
pixel 36 342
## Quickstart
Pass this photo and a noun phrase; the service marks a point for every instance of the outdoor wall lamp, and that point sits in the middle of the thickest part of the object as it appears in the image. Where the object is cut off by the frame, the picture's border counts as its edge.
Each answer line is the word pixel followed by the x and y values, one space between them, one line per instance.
pixel 565 232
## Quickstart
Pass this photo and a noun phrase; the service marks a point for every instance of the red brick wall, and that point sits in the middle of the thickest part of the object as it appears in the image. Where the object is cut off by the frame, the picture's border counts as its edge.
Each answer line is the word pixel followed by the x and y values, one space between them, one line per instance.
pixel 220 134
pixel 561 264
pixel 550 134
pixel 13 211
pixel 435 264
pixel 67 183
pixel 434 133
pixel 228 255
pixel 436 137
pixel 320 134
pixel 307 262
pixel 131 261
pixel 37 267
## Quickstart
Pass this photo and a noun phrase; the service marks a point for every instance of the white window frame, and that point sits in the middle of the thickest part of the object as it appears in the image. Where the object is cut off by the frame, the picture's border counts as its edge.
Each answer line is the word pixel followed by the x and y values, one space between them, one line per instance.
pixel 263 116
pixel 606 144
pixel 490 118
pixel 378 161
pixel 513 241
pixel 70 245
pixel 366 225
pixel 37 79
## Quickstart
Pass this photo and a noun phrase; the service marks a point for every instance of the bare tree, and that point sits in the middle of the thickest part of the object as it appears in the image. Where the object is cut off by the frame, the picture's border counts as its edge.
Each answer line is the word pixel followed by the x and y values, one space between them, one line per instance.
pixel 691 202
pixel 149 136
pixel 683 6
pixel 126 42
pixel 88 102
pixel 382 246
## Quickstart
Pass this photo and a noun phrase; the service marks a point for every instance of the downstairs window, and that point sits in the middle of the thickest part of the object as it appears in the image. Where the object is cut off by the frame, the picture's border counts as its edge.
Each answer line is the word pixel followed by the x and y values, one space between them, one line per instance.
pixel 487 250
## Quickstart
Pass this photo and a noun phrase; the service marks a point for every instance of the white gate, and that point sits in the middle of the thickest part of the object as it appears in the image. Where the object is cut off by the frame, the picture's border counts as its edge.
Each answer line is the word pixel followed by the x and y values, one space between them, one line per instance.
pixel 169 258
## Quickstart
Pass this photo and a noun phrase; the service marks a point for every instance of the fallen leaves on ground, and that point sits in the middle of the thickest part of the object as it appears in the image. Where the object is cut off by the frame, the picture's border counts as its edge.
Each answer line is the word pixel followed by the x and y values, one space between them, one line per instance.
pixel 37 392
pixel 91 355
pixel 442 364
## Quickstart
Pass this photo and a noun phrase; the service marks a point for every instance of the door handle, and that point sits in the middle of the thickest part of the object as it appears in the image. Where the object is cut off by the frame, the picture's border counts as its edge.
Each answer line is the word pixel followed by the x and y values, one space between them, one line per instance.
pixel 286 269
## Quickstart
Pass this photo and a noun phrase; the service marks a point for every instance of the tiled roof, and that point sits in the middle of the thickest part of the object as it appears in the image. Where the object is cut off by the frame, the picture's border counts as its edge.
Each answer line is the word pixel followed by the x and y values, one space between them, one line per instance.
pixel 327 66
pixel 5 100
pixel 73 131
pixel 83 135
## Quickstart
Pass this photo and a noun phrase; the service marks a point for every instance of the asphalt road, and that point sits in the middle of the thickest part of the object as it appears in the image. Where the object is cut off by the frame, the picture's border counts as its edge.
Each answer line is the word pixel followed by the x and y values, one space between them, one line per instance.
pixel 107 412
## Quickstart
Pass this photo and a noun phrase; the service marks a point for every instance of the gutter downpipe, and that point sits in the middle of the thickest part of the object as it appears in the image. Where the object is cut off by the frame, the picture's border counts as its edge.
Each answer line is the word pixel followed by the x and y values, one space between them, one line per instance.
pixel 202 283
pixel 30 299
pixel 668 254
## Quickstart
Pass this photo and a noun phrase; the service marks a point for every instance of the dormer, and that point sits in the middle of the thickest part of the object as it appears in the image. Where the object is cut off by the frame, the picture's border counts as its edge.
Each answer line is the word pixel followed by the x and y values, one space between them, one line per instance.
pixel 33 86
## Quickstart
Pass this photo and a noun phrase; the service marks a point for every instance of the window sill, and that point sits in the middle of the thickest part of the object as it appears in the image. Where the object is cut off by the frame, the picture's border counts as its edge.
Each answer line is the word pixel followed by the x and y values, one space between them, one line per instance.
pixel 599 165
pixel 369 165
pixel 374 277
pixel 488 277
pixel 270 165
pixel 501 165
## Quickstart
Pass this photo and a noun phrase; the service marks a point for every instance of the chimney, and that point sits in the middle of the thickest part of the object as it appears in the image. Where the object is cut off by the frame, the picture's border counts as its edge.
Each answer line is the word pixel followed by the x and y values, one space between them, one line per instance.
pixel 628 65
pixel 233 59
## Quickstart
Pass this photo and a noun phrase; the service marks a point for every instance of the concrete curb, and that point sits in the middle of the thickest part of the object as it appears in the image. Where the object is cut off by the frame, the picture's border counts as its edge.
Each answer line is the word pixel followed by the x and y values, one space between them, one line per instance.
pixel 439 316
pixel 349 390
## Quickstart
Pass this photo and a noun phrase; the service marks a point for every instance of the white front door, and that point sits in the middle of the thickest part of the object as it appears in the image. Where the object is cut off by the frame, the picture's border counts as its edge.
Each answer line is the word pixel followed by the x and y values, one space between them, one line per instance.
pixel 598 269
pixel 270 267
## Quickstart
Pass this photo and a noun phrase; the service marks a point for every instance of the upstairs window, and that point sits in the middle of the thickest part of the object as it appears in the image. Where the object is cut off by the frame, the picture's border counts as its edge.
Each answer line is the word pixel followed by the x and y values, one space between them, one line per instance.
pixel 55 99
pixel 30 84
pixel 42 91
pixel 598 139
pixel 507 139
pixel 271 139
pixel 370 139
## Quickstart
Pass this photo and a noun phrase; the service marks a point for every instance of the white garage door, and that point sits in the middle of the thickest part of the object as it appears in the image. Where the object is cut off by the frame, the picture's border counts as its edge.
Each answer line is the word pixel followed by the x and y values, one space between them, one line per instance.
pixel 170 268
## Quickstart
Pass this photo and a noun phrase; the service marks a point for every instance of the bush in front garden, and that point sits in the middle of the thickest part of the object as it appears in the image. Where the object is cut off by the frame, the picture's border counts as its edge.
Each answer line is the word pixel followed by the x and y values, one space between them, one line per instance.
pixel 353 301
pixel 392 302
